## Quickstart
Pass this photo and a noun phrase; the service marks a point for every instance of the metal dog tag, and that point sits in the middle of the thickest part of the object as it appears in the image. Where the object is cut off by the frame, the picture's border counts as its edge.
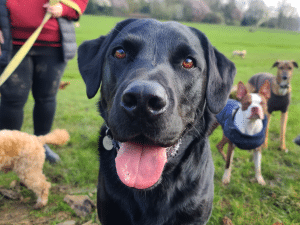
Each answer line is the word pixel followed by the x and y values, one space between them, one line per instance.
pixel 107 143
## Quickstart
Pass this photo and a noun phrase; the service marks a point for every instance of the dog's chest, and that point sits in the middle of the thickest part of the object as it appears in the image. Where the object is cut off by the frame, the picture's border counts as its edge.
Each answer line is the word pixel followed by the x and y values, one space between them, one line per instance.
pixel 283 91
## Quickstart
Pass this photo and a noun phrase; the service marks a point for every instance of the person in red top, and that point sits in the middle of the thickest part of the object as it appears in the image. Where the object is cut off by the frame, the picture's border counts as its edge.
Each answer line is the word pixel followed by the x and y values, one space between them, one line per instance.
pixel 42 68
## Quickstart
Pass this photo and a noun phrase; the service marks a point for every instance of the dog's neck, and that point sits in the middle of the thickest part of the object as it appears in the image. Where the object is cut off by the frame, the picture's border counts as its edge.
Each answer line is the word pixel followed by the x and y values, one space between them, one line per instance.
pixel 281 88
pixel 246 121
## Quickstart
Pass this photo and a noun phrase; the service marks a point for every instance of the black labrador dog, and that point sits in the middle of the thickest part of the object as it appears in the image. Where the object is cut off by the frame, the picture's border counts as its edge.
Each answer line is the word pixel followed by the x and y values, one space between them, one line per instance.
pixel 161 84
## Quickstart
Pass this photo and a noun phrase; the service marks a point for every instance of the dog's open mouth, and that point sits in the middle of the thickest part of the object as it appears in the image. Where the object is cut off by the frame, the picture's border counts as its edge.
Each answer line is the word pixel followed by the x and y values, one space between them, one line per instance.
pixel 141 165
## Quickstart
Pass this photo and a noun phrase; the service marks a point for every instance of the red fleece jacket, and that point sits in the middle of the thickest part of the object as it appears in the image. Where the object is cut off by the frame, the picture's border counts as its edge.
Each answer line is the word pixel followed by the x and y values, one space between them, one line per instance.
pixel 27 15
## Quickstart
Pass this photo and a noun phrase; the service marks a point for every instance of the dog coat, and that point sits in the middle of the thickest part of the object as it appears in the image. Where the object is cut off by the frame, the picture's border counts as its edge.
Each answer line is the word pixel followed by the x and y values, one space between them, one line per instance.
pixel 232 132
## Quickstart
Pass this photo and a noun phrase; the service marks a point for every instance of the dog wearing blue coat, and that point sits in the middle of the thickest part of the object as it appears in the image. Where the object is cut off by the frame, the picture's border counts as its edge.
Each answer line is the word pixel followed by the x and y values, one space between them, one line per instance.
pixel 244 124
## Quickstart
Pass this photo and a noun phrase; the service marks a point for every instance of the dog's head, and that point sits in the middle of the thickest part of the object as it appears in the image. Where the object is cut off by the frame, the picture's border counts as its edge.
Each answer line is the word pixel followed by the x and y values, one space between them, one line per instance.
pixel 254 106
pixel 157 79
pixel 285 71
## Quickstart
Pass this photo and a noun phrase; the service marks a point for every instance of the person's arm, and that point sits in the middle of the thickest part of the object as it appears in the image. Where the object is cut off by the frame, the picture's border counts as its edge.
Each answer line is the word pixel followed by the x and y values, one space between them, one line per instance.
pixel 74 14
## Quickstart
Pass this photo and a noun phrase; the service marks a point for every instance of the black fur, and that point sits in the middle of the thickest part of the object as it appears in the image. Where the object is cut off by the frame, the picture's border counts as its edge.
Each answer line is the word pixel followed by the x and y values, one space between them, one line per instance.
pixel 154 55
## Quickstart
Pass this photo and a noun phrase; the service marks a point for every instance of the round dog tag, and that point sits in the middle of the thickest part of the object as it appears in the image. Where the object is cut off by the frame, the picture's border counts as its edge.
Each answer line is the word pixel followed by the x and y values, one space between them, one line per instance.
pixel 107 143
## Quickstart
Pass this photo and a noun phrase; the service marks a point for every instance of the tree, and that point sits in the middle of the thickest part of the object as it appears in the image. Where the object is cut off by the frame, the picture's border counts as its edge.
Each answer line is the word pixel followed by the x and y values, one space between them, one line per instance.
pixel 214 5
pixel 231 13
pixel 256 14
pixel 287 16
pixel 145 7
pixel 171 9
pixel 134 6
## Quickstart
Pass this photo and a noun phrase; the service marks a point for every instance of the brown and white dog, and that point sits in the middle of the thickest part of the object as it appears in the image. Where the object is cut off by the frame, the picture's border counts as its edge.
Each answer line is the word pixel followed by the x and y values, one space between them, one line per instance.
pixel 280 94
pixel 239 53
pixel 243 123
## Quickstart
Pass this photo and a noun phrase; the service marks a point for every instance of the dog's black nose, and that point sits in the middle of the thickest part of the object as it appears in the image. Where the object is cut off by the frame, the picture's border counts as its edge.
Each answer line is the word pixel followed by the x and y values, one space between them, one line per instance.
pixel 144 97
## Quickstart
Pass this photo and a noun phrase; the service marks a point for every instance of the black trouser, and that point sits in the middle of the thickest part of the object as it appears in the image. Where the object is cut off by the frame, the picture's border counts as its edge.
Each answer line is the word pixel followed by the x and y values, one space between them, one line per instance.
pixel 40 71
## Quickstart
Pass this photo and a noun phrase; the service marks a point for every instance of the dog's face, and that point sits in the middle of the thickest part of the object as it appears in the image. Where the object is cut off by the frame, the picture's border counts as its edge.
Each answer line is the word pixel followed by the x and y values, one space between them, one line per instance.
pixel 157 79
pixel 254 106
pixel 159 75
pixel 285 71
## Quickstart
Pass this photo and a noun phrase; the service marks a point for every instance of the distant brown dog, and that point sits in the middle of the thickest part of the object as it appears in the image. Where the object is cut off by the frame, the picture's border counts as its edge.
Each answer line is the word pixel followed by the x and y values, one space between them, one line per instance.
pixel 280 94
pixel 25 155
pixel 239 53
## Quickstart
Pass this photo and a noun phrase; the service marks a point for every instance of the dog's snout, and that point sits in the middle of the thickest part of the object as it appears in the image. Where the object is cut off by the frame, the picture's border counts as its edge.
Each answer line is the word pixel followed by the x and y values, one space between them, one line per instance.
pixel 255 110
pixel 284 77
pixel 256 113
pixel 144 97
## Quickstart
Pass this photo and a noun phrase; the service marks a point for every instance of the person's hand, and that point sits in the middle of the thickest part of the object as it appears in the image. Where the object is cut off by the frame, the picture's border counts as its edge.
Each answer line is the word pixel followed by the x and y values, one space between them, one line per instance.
pixel 56 10
pixel 1 40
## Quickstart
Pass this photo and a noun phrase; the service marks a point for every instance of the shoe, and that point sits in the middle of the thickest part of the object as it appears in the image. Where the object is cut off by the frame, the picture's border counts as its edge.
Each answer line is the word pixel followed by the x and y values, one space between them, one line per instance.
pixel 51 156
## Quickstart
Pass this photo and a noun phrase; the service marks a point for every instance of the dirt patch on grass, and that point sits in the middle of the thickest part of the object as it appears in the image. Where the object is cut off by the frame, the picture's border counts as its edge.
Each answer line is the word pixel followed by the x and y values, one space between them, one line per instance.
pixel 16 206
pixel 19 213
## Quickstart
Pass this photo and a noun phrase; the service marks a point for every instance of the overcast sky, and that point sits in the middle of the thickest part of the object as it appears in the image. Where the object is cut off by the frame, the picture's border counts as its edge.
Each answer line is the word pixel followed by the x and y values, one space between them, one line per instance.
pixel 294 3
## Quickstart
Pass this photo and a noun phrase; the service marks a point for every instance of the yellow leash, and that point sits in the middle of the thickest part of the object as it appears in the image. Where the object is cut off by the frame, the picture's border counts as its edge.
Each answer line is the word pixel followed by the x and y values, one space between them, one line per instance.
pixel 19 56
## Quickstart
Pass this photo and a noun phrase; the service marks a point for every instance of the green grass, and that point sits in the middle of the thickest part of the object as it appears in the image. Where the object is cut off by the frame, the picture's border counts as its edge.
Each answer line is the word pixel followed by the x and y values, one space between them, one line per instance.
pixel 243 200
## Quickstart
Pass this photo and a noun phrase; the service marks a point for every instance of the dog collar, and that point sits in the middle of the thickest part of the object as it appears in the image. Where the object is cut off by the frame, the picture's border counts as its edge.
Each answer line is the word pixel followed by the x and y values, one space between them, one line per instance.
pixel 109 144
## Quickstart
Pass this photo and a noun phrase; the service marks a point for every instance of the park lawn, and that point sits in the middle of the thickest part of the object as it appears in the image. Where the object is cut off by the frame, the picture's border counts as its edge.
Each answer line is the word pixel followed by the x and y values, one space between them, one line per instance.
pixel 243 200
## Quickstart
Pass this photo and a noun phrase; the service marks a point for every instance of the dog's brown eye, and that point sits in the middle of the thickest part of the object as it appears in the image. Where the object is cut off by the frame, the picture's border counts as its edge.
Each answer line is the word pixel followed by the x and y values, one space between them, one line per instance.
pixel 120 53
pixel 188 63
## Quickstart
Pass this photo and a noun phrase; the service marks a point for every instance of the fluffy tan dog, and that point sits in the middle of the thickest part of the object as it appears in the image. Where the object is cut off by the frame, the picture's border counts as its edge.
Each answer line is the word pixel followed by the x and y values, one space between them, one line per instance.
pixel 25 155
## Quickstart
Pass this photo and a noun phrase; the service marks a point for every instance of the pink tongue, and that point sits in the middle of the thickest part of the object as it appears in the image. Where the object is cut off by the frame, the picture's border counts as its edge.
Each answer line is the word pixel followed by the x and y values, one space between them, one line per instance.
pixel 140 166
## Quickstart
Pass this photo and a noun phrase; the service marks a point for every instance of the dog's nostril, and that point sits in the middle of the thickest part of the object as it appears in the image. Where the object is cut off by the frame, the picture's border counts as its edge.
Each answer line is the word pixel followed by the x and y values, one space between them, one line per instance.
pixel 156 103
pixel 254 110
pixel 129 100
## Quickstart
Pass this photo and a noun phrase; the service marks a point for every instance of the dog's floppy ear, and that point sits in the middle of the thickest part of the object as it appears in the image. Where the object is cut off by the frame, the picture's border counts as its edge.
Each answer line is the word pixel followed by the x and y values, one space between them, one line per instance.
pixel 275 64
pixel 295 64
pixel 220 73
pixel 91 56
pixel 89 63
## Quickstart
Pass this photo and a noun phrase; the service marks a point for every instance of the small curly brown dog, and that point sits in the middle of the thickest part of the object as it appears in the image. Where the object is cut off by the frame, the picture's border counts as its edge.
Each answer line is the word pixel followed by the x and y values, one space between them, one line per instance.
pixel 25 155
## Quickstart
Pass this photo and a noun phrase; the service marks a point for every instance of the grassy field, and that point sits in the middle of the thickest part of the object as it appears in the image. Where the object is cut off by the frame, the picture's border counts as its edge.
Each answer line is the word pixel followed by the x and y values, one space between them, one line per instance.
pixel 243 200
